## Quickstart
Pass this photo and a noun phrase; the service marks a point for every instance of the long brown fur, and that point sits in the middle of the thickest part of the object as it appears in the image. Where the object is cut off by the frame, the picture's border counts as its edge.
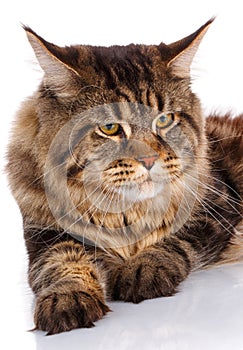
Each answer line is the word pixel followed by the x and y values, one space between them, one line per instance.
pixel 100 247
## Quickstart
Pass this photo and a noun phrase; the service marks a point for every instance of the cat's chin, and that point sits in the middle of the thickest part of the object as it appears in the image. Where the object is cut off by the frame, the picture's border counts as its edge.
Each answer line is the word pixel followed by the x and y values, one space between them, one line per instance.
pixel 140 192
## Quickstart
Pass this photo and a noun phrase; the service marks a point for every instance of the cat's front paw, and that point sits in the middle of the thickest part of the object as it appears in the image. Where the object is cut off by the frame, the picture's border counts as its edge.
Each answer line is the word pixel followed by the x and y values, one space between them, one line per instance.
pixel 58 312
pixel 145 276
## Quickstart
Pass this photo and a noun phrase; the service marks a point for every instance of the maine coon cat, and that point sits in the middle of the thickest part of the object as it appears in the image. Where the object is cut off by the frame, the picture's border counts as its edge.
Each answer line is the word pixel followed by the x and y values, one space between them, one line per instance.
pixel 123 185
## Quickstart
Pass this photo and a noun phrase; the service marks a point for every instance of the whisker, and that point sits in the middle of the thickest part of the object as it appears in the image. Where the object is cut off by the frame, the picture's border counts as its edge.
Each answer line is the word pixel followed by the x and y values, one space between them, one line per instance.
pixel 217 191
pixel 222 195
pixel 206 205
pixel 224 138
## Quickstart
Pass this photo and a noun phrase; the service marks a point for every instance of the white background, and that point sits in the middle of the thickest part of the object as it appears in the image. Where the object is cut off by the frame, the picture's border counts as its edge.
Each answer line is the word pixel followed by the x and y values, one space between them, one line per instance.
pixel 208 312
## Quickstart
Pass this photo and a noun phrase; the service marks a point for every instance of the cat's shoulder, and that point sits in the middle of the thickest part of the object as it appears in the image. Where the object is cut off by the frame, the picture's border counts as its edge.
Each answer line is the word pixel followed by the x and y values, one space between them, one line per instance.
pixel 225 141
pixel 221 126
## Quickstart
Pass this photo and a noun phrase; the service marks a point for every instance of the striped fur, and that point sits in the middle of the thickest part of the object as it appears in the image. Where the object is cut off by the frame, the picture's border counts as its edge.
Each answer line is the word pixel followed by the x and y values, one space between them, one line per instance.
pixel 187 178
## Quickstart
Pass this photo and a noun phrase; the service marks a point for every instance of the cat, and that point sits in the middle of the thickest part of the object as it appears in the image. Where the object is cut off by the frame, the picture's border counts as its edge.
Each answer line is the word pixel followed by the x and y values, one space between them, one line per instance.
pixel 124 187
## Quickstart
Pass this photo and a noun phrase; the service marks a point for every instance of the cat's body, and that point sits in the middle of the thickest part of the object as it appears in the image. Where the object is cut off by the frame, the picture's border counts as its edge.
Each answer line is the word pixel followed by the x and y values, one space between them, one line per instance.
pixel 123 187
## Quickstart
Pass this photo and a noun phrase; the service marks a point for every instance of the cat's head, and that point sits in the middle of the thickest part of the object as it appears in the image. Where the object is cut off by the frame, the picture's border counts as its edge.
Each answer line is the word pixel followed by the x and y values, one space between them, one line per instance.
pixel 125 123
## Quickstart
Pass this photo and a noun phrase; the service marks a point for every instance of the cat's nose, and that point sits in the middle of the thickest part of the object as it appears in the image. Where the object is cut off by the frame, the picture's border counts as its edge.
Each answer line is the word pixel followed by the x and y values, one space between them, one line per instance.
pixel 148 161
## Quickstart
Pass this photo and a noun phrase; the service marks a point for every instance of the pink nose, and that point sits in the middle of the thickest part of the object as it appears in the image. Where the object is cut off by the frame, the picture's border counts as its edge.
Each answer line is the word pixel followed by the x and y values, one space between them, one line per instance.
pixel 148 162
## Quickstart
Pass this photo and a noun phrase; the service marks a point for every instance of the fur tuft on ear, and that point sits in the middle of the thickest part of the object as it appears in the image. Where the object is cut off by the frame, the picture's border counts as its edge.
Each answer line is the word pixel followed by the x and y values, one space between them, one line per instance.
pixel 183 51
pixel 58 75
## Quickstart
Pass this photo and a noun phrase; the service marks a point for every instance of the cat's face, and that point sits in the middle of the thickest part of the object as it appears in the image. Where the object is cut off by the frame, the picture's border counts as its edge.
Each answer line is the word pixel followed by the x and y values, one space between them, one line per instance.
pixel 131 153
pixel 123 126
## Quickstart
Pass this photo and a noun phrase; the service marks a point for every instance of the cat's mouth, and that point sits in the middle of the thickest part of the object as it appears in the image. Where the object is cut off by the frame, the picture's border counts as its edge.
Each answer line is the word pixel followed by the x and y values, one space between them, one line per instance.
pixel 134 191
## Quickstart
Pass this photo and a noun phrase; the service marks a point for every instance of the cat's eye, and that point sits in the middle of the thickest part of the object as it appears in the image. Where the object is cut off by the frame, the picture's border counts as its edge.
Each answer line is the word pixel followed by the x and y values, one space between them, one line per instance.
pixel 110 129
pixel 165 120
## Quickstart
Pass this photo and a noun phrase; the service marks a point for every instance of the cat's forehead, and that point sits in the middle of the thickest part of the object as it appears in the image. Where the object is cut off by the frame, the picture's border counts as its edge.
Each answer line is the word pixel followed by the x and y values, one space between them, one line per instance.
pixel 130 64
pixel 121 112
pixel 117 53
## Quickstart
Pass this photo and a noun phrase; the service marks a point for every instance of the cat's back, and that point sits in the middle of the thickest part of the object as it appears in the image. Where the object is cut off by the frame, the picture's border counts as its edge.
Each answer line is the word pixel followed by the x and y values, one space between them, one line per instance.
pixel 225 137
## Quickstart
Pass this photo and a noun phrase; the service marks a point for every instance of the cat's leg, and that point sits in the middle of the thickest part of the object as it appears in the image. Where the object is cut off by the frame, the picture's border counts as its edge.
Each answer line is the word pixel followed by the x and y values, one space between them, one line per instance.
pixel 154 272
pixel 159 269
pixel 68 289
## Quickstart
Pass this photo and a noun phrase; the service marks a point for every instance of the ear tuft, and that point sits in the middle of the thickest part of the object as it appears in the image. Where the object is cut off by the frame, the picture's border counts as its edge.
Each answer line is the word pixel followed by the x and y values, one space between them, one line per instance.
pixel 183 51
pixel 58 75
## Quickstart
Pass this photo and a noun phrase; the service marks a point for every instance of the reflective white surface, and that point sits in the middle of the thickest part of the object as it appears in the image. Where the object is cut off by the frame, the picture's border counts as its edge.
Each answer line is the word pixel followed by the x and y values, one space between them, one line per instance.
pixel 207 314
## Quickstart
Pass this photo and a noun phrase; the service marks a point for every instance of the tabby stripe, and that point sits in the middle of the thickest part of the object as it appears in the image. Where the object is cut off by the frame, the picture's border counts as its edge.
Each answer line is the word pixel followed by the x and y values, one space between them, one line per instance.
pixel 195 242
pixel 110 76
pixel 117 110
pixel 123 94
pixel 179 250
pixel 147 72
pixel 192 123
pixel 152 99
pixel 160 102
pixel 135 67
pixel 74 141
pixel 148 98
pixel 125 221
pixel 76 169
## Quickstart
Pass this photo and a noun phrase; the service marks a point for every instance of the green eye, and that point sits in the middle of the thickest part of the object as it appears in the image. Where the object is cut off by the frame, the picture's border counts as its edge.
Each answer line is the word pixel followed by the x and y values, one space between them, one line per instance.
pixel 164 121
pixel 110 129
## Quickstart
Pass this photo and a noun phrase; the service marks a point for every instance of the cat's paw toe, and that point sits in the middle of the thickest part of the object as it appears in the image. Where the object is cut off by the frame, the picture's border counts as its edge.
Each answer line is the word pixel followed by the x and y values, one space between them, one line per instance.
pixel 60 312
pixel 142 278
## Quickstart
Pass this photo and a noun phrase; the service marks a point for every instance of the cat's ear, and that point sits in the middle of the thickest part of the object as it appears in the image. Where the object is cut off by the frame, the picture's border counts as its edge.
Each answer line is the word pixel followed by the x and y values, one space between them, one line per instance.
pixel 59 76
pixel 183 51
